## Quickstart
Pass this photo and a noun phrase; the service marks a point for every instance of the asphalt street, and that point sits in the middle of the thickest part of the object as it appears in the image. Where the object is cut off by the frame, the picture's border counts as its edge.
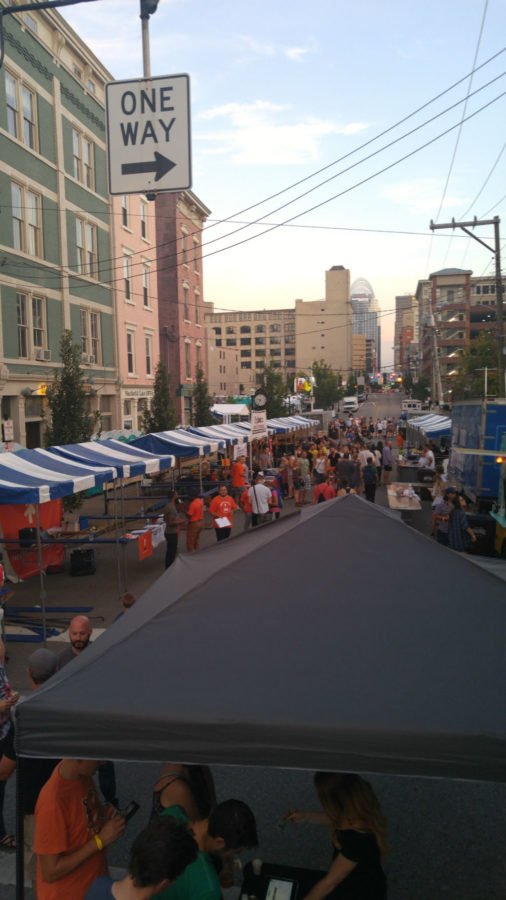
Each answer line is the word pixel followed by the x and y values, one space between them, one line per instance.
pixel 447 836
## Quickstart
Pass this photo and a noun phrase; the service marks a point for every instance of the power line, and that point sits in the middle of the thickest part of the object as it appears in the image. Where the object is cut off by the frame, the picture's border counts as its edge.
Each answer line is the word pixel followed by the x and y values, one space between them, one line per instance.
pixel 321 184
pixel 329 199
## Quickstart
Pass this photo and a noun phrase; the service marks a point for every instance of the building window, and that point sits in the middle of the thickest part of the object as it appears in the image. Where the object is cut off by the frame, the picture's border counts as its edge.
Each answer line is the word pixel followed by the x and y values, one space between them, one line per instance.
pixel 127 277
pixel 197 308
pixel 21 106
pixel 124 210
pixel 230 330
pixel 76 70
pixel 149 356
pixel 86 244
pixel 245 353
pixel 275 327
pixel 130 353
pixel 195 255
pixel 183 247
pixel 145 285
pixel 22 326
pixel 38 330
pixel 245 342
pixel 259 341
pixel 245 364
pixel 199 356
pixel 26 220
pixel 231 342
pixel 187 360
pixel 260 329
pixel 90 336
pixel 217 330
pixel 275 340
pixel 144 220
pixel 82 156
pixel 245 329
pixel 91 86
pixel 186 303
pixel 30 23
pixel 485 289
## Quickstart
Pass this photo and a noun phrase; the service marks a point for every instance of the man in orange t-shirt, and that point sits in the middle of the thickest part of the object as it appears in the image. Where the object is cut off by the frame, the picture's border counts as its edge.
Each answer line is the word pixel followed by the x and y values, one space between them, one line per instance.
pixel 238 477
pixel 222 507
pixel 195 513
pixel 71 832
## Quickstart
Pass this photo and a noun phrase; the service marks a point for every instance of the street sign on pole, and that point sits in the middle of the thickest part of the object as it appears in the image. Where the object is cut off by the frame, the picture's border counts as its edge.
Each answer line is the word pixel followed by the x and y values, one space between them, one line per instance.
pixel 148 134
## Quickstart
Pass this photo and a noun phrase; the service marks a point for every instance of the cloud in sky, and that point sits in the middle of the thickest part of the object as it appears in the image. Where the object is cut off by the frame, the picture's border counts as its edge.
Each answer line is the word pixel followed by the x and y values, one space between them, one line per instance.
pixel 421 196
pixel 296 53
pixel 258 133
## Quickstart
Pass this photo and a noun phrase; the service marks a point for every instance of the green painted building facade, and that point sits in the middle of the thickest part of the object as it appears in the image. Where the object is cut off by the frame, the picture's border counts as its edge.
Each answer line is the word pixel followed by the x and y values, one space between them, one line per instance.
pixel 57 268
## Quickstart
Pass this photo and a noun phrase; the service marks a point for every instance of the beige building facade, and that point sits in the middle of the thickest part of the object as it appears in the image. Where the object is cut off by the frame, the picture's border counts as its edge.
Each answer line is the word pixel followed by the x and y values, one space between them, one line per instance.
pixel 225 378
pixel 359 352
pixel 259 336
pixel 324 328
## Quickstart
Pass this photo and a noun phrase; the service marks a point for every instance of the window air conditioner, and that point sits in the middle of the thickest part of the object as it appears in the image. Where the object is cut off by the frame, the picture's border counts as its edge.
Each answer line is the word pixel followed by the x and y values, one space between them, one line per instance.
pixel 91 359
pixel 39 353
pixel 47 355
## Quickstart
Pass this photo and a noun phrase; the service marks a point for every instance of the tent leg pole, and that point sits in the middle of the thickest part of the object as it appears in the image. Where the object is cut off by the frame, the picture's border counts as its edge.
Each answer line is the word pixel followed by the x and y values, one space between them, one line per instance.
pixel 200 475
pixel 41 575
pixel 20 874
pixel 123 525
pixel 116 531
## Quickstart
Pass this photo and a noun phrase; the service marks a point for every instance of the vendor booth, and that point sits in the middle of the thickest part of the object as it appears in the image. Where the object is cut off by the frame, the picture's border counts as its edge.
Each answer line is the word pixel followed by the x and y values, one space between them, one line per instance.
pixel 424 670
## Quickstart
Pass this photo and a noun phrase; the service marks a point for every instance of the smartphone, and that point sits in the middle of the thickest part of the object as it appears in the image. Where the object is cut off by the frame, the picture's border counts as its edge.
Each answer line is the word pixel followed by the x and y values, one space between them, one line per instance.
pixel 130 810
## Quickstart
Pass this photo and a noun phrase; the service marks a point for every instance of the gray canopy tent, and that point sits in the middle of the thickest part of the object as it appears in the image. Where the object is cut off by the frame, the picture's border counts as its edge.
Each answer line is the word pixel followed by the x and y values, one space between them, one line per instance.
pixel 337 638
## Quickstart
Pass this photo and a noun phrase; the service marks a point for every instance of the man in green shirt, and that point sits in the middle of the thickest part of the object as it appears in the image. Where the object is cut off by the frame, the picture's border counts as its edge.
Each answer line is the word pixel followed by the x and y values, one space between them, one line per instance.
pixel 230 827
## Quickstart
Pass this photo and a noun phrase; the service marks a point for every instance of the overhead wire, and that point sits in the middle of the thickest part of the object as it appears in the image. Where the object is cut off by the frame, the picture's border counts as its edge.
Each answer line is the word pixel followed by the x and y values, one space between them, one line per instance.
pixel 335 196
pixel 459 132
pixel 326 181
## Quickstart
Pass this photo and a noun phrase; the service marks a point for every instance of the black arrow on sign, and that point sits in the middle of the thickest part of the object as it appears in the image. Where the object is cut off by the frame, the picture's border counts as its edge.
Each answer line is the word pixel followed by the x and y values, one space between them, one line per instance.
pixel 161 165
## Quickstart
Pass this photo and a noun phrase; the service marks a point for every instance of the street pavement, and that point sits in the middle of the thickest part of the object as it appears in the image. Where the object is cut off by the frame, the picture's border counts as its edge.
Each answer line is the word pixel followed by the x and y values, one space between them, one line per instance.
pixel 447 836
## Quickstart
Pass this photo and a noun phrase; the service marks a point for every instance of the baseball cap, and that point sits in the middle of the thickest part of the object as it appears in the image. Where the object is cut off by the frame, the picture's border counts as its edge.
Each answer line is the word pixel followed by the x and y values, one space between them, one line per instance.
pixel 42 664
pixel 450 490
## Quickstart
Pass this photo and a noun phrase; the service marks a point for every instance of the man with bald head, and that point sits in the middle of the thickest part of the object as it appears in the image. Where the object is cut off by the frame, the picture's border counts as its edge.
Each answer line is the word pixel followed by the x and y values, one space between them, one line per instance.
pixel 79 634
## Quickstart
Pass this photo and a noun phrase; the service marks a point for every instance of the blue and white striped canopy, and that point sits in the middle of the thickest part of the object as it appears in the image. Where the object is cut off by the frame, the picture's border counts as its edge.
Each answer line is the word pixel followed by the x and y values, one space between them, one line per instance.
pixel 37 476
pixel 126 458
pixel 179 443
pixel 228 433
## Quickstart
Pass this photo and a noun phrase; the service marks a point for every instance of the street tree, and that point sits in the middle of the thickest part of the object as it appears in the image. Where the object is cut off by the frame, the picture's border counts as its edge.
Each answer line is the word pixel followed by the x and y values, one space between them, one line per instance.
pixel 327 388
pixel 419 390
pixel 202 402
pixel 351 385
pixel 469 383
pixel 271 381
pixel 69 418
pixel 161 415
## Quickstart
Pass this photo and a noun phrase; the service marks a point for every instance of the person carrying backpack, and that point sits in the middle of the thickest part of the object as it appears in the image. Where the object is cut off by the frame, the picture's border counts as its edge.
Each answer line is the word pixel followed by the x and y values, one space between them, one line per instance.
pixel 370 479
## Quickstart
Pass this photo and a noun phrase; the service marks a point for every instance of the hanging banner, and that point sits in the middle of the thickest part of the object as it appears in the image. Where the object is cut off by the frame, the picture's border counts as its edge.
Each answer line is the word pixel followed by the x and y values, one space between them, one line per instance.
pixel 145 545
pixel 258 423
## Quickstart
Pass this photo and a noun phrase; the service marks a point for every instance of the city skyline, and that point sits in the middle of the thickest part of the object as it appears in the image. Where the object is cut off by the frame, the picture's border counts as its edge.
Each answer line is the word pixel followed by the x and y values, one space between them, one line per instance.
pixel 282 100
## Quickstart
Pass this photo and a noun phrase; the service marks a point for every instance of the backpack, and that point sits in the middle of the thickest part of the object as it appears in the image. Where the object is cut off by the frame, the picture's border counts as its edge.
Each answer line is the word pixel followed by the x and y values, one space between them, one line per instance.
pixel 369 474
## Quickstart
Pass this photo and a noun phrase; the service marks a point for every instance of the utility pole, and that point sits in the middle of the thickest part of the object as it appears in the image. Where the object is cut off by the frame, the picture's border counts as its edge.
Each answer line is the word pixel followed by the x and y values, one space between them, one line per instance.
pixel 148 7
pixel 496 250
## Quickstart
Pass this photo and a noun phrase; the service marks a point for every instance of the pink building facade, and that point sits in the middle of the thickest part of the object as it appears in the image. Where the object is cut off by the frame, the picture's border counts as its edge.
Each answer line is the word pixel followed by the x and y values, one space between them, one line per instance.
pixel 179 222
pixel 137 334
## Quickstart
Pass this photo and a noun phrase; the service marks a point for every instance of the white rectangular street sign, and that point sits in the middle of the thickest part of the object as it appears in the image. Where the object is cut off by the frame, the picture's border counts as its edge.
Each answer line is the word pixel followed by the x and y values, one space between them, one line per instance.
pixel 148 134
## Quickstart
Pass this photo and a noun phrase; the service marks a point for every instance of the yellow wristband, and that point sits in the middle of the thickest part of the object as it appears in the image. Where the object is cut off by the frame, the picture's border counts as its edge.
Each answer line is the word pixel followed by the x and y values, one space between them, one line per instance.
pixel 98 842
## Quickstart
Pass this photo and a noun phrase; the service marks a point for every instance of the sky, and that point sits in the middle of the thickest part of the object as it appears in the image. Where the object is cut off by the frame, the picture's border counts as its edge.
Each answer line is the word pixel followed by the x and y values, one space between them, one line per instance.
pixel 294 98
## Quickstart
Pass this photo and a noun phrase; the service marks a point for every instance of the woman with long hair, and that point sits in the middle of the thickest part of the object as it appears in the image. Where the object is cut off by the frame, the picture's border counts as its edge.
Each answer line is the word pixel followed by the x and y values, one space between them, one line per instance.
pixel 358 832
pixel 191 787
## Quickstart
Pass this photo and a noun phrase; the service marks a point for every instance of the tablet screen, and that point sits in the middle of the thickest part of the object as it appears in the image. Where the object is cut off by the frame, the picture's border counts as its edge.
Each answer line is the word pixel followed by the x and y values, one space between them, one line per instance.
pixel 281 889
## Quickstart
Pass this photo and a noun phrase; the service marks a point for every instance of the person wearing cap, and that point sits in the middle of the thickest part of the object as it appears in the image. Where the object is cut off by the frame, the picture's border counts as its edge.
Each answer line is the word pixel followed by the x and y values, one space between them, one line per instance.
pixel 42 664
pixel 442 517
pixel 260 498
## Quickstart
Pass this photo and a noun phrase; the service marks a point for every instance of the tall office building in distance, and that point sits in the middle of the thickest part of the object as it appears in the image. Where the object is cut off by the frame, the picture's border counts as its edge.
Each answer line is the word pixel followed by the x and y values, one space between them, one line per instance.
pixel 365 310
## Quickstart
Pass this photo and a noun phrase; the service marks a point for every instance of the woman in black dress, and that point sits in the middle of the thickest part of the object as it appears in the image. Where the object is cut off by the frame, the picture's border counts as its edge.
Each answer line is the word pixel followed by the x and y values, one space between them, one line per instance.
pixel 359 836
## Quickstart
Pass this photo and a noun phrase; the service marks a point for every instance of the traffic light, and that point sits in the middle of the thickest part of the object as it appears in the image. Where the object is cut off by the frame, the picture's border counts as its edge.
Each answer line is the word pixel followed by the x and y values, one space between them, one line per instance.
pixel 148 7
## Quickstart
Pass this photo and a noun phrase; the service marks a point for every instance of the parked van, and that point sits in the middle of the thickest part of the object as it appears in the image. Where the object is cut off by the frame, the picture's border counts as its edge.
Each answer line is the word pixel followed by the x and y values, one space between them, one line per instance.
pixel 350 404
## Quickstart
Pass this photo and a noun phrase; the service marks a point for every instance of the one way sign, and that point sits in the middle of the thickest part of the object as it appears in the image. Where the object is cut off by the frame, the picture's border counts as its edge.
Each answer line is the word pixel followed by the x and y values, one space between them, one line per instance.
pixel 148 134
